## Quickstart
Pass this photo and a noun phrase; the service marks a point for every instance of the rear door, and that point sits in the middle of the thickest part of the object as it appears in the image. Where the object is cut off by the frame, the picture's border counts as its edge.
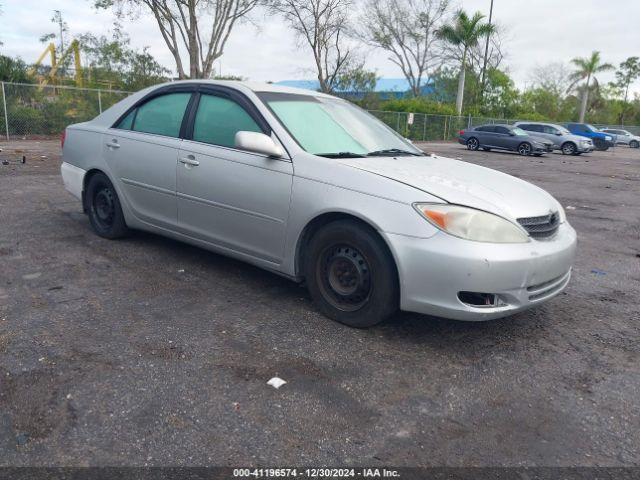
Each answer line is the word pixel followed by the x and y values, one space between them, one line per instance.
pixel 142 150
pixel 485 135
pixel 236 199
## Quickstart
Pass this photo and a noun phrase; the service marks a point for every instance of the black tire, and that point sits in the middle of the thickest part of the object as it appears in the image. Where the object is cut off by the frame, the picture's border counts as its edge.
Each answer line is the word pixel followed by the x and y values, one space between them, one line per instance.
pixel 473 144
pixel 486 149
pixel 600 145
pixel 525 149
pixel 351 275
pixel 634 144
pixel 569 148
pixel 103 207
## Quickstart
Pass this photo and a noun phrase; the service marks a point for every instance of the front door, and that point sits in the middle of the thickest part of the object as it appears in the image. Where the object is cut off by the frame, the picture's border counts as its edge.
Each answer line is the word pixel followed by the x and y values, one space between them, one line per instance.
pixel 232 198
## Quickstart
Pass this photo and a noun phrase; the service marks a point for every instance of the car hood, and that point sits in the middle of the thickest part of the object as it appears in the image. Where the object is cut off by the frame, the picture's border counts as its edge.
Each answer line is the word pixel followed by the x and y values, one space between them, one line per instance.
pixel 462 183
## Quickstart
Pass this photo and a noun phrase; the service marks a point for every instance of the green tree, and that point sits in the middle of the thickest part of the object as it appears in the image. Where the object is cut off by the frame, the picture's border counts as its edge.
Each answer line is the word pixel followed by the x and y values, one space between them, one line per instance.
pixel 13 70
pixel 627 73
pixel 466 33
pixel 587 68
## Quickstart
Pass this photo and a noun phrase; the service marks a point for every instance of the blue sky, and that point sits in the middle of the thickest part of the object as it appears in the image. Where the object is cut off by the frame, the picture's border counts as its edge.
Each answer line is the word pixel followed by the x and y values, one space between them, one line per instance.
pixel 539 32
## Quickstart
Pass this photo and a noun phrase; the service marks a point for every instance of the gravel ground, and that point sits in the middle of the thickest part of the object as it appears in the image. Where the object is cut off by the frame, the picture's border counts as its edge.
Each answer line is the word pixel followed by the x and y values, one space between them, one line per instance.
pixel 146 351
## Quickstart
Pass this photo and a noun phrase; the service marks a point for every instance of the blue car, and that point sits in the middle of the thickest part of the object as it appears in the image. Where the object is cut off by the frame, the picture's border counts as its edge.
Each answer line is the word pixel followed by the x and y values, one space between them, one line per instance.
pixel 602 141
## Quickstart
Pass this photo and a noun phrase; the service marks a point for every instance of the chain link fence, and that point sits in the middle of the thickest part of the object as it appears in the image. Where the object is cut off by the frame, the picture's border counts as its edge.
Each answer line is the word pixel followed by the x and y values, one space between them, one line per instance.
pixel 37 111
pixel 422 127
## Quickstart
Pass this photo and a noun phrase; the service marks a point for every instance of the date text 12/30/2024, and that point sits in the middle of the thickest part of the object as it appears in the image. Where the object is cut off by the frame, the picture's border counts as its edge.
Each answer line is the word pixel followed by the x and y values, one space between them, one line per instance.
pixel 315 473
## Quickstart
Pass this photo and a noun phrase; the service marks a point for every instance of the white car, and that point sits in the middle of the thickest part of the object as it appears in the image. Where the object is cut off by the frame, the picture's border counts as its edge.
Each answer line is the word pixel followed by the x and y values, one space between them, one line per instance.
pixel 315 189
pixel 624 137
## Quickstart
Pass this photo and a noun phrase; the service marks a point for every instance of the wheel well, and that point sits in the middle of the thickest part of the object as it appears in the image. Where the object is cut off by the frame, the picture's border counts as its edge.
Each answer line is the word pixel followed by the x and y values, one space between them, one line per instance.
pixel 320 221
pixel 85 182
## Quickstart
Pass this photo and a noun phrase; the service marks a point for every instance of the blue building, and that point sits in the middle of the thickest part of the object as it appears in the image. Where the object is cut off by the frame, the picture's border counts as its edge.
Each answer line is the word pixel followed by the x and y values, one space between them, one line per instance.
pixel 386 88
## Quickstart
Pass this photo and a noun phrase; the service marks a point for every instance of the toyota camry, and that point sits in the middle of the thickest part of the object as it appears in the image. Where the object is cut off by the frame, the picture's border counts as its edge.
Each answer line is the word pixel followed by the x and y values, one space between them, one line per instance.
pixel 313 188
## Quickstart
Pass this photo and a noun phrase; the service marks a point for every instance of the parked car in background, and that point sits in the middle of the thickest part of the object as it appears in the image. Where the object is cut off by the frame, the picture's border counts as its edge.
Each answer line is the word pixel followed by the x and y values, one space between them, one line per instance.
pixel 602 141
pixel 504 137
pixel 623 137
pixel 562 139
pixel 317 190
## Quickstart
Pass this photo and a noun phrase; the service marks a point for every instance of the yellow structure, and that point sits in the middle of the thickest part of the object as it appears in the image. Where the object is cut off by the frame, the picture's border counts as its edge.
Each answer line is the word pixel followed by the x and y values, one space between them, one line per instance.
pixel 55 63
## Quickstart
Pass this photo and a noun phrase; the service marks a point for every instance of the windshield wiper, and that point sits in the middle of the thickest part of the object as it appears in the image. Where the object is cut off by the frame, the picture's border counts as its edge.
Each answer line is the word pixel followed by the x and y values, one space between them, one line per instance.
pixel 393 151
pixel 341 155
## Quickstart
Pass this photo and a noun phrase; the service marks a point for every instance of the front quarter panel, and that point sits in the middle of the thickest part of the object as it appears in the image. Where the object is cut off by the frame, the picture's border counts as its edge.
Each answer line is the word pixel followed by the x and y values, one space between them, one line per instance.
pixel 322 186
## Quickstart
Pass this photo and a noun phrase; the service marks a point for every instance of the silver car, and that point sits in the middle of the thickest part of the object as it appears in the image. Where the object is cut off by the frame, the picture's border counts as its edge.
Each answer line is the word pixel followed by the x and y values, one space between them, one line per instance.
pixel 315 189
pixel 562 139
pixel 623 137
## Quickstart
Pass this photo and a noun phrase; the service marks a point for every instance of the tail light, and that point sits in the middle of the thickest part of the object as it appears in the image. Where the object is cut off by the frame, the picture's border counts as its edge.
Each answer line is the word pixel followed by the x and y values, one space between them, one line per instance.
pixel 461 132
pixel 63 136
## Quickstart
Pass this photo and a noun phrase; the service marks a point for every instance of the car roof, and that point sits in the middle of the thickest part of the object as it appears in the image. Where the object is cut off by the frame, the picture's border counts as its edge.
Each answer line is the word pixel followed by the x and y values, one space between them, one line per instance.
pixel 111 115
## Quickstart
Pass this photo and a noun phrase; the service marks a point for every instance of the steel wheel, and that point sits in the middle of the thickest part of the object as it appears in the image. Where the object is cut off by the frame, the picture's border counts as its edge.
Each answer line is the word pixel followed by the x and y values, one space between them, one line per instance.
pixel 344 277
pixel 473 144
pixel 524 149
pixel 569 149
pixel 103 207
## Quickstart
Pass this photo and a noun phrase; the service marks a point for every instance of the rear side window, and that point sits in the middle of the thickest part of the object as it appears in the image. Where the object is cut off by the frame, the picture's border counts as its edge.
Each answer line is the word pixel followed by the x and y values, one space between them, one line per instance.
pixel 219 119
pixel 161 115
pixel 486 128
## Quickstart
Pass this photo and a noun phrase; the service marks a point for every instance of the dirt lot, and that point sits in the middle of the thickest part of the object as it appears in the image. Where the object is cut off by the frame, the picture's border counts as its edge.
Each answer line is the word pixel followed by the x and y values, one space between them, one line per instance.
pixel 147 351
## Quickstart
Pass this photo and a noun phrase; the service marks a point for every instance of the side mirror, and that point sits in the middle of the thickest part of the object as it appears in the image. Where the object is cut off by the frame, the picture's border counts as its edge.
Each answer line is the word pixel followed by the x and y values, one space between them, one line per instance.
pixel 258 143
pixel 559 134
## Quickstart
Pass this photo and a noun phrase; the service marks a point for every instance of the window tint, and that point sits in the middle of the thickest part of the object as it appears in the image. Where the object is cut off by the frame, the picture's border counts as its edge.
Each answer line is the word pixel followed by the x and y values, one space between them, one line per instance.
pixel 548 129
pixel 503 130
pixel 127 122
pixel 486 128
pixel 162 115
pixel 219 119
pixel 526 126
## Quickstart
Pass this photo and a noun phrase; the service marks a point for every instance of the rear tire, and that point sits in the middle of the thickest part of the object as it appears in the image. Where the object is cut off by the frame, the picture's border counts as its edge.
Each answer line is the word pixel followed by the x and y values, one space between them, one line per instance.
pixel 473 144
pixel 525 149
pixel 103 206
pixel 569 148
pixel 351 275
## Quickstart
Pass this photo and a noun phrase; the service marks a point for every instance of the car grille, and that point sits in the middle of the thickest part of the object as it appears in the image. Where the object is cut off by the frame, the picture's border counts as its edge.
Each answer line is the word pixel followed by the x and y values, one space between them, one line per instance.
pixel 541 227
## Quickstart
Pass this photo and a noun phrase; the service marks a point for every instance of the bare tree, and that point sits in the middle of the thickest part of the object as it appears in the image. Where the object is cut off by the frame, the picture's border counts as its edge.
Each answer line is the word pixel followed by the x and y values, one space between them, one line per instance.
pixel 406 29
pixel 322 25
pixel 201 27
pixel 553 77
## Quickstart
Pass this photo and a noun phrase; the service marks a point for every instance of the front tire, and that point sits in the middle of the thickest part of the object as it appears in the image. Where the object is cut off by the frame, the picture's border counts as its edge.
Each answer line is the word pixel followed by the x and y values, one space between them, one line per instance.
pixel 103 206
pixel 473 144
pixel 634 144
pixel 351 275
pixel 569 148
pixel 524 149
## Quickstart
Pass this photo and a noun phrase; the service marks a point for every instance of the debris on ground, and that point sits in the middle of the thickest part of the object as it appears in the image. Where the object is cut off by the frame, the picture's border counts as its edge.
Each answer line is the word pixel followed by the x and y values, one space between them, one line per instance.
pixel 570 207
pixel 599 273
pixel 276 382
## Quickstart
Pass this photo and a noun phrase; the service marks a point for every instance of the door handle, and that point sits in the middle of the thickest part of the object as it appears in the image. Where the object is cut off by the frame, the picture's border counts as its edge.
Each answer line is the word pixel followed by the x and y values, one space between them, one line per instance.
pixel 189 160
pixel 113 144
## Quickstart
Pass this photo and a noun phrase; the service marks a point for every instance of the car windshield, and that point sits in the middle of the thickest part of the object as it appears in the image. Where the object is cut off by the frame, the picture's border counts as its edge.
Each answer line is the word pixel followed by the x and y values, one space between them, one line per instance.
pixel 591 128
pixel 519 132
pixel 333 127
pixel 563 130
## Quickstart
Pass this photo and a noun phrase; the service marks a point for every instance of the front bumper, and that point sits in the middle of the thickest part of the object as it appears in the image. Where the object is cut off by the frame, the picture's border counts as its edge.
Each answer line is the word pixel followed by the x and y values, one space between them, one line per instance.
pixel 434 270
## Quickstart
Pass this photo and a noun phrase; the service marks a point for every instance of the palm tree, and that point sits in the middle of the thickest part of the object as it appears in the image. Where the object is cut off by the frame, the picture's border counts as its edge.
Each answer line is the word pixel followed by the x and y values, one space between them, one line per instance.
pixel 465 32
pixel 587 68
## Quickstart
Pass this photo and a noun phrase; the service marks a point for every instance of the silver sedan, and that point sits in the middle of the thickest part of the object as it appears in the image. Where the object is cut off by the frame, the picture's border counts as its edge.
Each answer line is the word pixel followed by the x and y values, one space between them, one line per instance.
pixel 315 189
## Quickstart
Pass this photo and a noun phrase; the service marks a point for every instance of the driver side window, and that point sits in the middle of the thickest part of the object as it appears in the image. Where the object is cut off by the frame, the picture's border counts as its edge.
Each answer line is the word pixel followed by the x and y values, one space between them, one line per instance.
pixel 219 119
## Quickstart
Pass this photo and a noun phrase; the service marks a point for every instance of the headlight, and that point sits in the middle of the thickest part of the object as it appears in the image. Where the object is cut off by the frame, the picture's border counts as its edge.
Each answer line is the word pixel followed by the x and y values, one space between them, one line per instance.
pixel 561 213
pixel 608 138
pixel 472 224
